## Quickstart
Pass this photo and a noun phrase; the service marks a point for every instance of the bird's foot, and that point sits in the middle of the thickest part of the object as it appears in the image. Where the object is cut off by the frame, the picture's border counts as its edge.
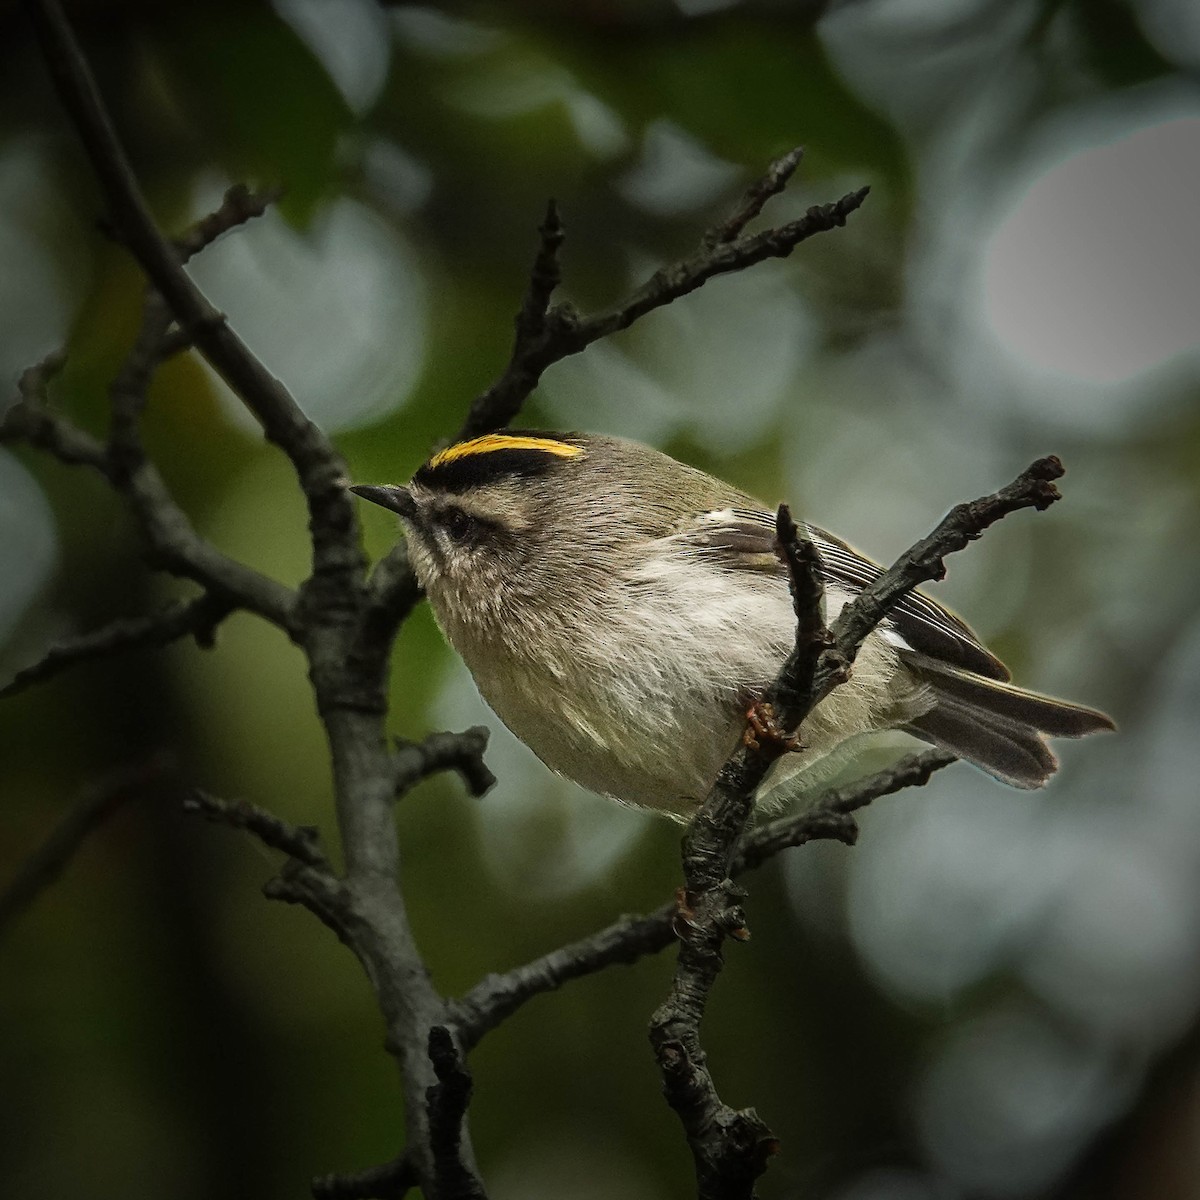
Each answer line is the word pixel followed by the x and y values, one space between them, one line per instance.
pixel 762 732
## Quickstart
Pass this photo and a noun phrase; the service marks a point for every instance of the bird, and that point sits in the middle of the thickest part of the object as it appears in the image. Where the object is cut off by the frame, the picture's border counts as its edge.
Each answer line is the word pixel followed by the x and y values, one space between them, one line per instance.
pixel 619 610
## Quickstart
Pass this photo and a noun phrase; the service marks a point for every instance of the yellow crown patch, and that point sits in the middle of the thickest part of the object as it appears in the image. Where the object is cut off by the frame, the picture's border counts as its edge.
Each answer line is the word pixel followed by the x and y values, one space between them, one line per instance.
pixel 491 442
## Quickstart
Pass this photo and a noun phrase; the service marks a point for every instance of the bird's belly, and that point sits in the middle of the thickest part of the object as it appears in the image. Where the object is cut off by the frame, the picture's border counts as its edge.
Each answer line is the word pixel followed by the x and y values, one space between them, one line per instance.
pixel 614 735
pixel 647 712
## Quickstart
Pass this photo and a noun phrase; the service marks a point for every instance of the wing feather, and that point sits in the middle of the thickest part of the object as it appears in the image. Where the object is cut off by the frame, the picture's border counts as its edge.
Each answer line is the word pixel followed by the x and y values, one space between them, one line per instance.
pixel 744 540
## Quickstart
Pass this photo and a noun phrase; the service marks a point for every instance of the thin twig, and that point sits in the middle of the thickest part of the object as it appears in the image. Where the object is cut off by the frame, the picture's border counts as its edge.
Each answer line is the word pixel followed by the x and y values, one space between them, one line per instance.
pixel 924 561
pixel 731 1147
pixel 813 640
pixel 631 938
pixel 198 618
pixel 31 420
pixel 306 877
pixel 560 331
pixel 831 818
pixel 388 1181
pixel 318 465
pixel 755 198
pixel 301 842
pixel 239 205
pixel 91 810
pixel 174 544
pixel 545 276
pixel 447 1102
pixel 496 997
pixel 461 752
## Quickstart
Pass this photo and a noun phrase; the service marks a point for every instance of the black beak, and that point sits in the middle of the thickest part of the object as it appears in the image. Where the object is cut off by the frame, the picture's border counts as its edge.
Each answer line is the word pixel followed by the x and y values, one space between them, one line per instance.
pixel 391 496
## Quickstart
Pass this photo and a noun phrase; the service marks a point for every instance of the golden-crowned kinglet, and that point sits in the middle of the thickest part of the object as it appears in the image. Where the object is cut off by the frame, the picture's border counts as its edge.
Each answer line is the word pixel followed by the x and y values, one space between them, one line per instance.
pixel 619 610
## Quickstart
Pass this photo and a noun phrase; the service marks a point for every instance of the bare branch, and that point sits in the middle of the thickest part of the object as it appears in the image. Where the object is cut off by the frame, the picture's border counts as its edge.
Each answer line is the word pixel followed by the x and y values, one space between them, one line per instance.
pixel 461 752
pixel 198 618
pixel 318 465
pixel 631 938
pixel 301 842
pixel 90 811
pixel 545 276
pixel 447 1102
pixel 306 877
pixel 813 639
pixel 831 818
pixel 755 198
pixel 496 997
pixel 390 1181
pixel 395 592
pixel 560 331
pixel 32 421
pixel 239 205
pixel 731 1147
pixel 1033 488
pixel 174 544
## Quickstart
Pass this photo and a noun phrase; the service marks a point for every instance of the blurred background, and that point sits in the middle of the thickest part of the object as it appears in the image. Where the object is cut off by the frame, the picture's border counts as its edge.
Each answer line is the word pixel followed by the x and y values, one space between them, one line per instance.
pixel 995 994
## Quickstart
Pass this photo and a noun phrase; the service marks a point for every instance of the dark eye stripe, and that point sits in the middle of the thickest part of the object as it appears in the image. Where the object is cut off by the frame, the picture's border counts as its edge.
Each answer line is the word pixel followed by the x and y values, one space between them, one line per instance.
pixel 458 524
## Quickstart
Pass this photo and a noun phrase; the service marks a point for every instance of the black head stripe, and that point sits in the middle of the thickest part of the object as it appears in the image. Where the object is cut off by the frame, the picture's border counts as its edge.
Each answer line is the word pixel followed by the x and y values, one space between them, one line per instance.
pixel 488 459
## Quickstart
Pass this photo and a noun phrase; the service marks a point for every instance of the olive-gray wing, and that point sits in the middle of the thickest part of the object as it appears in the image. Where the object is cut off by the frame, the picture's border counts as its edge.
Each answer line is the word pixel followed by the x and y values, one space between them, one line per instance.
pixel 744 540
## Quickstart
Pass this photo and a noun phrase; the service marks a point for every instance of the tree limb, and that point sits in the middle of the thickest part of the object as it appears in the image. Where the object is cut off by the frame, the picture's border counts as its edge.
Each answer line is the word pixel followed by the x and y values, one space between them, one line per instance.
pixel 31 420
pixel 546 334
pixel 319 467
pixel 754 199
pixel 174 544
pixel 731 1147
pixel 90 811
pixel 461 752
pixel 630 938
pixel 1033 488
pixel 198 618
pixel 389 1181
pixel 447 1101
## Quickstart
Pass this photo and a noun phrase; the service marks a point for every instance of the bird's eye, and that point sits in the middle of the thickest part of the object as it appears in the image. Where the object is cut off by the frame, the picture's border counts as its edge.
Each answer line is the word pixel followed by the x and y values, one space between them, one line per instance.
pixel 459 525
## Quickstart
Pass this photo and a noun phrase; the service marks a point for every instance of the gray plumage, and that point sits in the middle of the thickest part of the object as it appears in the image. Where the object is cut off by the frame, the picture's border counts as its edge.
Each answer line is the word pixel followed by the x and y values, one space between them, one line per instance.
pixel 619 611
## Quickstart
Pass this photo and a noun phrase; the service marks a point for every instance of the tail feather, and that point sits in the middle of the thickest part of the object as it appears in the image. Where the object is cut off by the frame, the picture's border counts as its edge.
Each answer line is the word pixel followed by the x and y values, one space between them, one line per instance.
pixel 1058 718
pixel 995 725
pixel 1014 754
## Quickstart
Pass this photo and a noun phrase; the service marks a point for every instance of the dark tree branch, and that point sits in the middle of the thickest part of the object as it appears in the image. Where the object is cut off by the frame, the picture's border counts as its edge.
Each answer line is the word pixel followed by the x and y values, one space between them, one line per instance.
pixel 31 420
pixel 90 811
pixel 306 877
pixel 301 842
pixel 447 1102
pixel 239 205
pixel 394 593
pixel 795 686
pixel 831 818
pixel 630 938
pixel 731 1147
pixel 389 1181
pixel 461 752
pixel 496 997
pixel 1033 488
pixel 198 618
pixel 343 628
pixel 174 544
pixel 544 278
pixel 754 199
pixel 547 333
pixel 319 467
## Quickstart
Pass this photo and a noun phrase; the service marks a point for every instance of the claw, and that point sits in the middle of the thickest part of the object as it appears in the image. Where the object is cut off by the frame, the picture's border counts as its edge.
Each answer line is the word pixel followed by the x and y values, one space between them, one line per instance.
pixel 763 734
